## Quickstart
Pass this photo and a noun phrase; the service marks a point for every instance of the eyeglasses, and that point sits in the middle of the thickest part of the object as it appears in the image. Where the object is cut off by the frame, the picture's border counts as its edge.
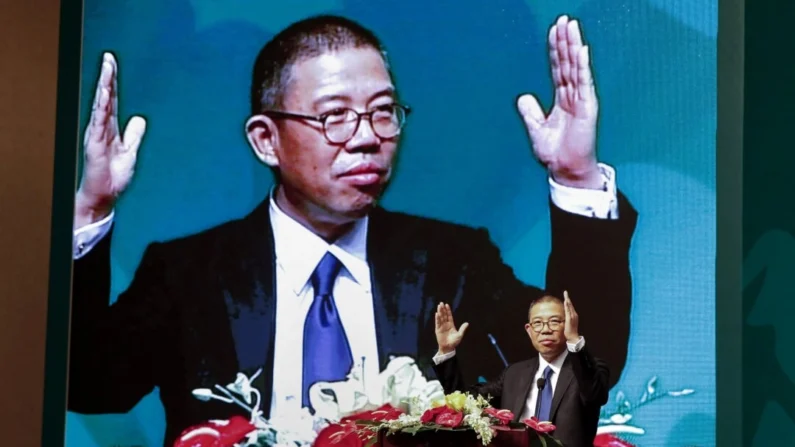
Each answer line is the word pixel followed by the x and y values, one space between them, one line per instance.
pixel 538 325
pixel 340 125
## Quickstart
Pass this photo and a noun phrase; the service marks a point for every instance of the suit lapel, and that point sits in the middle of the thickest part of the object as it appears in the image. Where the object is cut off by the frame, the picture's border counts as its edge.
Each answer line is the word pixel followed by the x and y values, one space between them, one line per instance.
pixel 566 376
pixel 250 298
pixel 398 274
pixel 525 385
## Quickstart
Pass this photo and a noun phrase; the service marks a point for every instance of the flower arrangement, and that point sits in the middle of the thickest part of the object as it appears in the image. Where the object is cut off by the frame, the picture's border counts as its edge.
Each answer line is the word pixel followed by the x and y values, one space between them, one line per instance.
pixel 455 412
pixel 395 389
pixel 399 400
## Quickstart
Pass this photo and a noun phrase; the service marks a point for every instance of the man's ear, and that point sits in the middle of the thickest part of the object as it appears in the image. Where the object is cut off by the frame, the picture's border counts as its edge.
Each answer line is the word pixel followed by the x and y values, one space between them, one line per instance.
pixel 263 136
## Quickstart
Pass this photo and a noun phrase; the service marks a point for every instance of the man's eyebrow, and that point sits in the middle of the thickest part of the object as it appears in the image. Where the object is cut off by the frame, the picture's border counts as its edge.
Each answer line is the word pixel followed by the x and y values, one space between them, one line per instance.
pixel 330 97
pixel 387 91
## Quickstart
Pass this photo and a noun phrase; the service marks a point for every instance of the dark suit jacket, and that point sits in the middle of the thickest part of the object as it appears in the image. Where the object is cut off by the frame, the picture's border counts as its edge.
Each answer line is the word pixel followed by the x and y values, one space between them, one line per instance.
pixel 580 392
pixel 201 308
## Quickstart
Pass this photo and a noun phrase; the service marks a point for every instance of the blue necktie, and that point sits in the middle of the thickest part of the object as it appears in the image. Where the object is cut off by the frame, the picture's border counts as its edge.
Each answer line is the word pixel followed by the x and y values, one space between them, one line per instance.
pixel 546 396
pixel 327 355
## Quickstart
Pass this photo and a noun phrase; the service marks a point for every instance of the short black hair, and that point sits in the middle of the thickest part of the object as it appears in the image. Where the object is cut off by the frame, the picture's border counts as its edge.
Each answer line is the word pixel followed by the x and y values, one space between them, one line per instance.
pixel 304 39
pixel 543 298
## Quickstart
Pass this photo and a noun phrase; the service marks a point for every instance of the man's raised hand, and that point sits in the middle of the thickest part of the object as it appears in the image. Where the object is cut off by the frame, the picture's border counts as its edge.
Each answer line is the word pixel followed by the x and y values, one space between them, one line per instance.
pixel 565 140
pixel 447 336
pixel 571 330
pixel 109 155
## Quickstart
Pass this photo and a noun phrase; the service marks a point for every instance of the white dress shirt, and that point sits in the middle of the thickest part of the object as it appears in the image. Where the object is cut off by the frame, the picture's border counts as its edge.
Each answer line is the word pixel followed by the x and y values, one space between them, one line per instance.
pixel 530 406
pixel 298 252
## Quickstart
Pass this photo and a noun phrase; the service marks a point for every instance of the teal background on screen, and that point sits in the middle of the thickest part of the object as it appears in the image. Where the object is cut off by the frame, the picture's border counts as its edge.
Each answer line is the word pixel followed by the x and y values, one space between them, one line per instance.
pixel 185 66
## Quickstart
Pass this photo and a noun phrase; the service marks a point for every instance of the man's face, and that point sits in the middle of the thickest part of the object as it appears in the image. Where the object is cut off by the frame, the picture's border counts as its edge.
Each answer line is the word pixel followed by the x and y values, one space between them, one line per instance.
pixel 340 181
pixel 548 342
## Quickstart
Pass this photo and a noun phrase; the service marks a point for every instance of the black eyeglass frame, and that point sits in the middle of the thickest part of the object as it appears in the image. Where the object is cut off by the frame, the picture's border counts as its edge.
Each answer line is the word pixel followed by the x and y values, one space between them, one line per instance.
pixel 547 323
pixel 323 117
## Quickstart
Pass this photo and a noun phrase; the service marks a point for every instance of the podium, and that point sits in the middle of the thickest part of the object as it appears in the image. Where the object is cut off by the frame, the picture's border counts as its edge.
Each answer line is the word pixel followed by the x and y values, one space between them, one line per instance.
pixel 513 437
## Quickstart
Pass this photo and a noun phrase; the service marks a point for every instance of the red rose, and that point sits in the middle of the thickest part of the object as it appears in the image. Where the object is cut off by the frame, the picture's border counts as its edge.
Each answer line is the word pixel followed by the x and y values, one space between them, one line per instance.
pixel 608 440
pixel 430 414
pixel 443 416
pixel 215 433
pixel 539 426
pixel 504 416
pixel 450 418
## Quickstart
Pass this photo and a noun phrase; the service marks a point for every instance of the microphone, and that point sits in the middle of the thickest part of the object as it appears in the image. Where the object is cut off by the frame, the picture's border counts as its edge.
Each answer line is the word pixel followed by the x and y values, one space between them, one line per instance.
pixel 541 382
pixel 497 348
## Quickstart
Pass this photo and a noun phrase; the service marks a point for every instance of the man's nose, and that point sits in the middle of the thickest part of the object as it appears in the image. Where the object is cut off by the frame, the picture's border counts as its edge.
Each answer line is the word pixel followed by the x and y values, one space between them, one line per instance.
pixel 364 138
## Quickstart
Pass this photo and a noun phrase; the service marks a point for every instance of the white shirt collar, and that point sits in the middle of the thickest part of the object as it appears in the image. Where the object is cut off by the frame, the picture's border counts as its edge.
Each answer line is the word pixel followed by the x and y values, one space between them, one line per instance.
pixel 299 250
pixel 555 364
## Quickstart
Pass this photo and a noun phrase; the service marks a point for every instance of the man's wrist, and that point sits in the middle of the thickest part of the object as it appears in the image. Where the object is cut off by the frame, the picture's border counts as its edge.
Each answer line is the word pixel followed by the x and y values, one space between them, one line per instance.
pixel 440 357
pixel 576 345
pixel 600 203
pixel 85 218
pixel 88 216
pixel 88 212
pixel 444 350
pixel 589 177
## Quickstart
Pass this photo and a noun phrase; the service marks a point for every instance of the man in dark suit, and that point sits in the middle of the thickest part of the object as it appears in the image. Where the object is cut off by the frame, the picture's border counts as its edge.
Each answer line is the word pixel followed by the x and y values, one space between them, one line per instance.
pixel 564 384
pixel 319 280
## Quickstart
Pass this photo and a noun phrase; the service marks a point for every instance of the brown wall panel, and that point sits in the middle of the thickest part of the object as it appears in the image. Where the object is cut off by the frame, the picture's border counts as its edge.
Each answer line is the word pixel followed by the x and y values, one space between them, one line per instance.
pixel 28 75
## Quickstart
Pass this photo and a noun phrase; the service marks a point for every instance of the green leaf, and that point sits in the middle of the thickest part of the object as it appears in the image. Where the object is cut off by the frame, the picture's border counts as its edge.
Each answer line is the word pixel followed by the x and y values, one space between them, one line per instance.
pixel 547 437
pixel 412 430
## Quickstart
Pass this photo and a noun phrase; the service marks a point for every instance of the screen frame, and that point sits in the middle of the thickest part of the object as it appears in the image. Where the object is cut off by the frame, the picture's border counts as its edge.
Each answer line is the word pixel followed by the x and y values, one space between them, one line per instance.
pixel 729 246
pixel 67 137
pixel 731 21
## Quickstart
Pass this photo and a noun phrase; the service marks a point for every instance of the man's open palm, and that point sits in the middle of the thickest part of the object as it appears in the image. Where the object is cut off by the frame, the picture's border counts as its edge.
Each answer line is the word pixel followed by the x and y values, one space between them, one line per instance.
pixel 565 139
pixel 572 328
pixel 109 155
pixel 447 336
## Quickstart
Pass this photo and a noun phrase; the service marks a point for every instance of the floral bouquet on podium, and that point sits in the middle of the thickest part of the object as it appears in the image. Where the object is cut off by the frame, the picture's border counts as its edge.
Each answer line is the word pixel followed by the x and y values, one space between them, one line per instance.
pixel 391 392
pixel 400 401
pixel 456 412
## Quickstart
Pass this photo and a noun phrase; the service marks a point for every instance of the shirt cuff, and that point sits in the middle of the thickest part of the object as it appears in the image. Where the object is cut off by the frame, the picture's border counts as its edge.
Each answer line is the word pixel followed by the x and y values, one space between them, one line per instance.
pixel 596 203
pixel 87 237
pixel 576 347
pixel 439 358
